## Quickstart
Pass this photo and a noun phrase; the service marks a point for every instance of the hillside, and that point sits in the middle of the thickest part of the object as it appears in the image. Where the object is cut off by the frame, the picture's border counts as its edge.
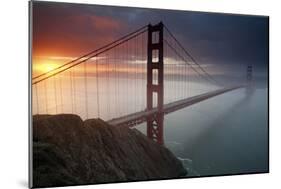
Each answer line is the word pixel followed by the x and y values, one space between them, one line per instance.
pixel 68 151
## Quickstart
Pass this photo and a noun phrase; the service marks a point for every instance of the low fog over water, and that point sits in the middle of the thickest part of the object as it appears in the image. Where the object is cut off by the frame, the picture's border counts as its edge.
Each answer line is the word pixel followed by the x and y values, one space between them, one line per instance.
pixel 227 134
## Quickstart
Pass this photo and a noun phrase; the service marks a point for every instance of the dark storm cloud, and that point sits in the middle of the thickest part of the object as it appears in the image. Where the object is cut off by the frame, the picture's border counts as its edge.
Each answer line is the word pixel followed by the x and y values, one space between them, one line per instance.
pixel 231 41
pixel 227 42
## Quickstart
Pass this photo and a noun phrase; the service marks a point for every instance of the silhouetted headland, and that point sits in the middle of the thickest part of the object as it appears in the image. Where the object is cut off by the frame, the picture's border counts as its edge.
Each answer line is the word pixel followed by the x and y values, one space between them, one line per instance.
pixel 69 151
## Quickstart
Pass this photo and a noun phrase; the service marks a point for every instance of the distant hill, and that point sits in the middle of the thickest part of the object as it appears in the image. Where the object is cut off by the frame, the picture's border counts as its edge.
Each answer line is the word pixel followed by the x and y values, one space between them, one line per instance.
pixel 68 151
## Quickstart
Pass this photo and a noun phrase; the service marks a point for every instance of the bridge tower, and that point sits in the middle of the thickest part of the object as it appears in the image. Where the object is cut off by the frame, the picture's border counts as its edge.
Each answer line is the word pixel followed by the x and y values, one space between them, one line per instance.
pixel 249 75
pixel 155 82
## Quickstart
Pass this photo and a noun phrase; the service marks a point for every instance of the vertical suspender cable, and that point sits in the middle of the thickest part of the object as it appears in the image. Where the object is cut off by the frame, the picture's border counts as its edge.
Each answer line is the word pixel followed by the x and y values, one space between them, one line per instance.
pixel 118 79
pixel 71 89
pixel 127 86
pixel 46 96
pixel 185 82
pixel 135 67
pixel 143 69
pixel 86 89
pixel 74 89
pixel 142 93
pixel 55 93
pixel 108 88
pixel 114 79
pixel 175 78
pixel 61 102
pixel 181 76
pixel 37 99
pixel 97 86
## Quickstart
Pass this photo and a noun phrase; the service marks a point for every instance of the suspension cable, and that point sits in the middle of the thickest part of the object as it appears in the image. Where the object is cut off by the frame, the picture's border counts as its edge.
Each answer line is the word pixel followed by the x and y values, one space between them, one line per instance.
pixel 189 55
pixel 186 61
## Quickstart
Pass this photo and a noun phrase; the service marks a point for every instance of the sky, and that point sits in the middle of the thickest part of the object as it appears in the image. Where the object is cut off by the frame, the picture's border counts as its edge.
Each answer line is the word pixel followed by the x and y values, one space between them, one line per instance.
pixel 224 42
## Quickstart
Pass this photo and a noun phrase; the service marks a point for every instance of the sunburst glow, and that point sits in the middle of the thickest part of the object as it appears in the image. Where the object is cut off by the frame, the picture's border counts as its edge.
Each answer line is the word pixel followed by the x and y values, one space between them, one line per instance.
pixel 46 66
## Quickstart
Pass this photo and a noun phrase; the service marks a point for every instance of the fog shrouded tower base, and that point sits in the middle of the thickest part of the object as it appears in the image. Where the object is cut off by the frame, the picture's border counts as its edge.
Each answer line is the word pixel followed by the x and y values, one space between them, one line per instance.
pixel 249 76
pixel 249 81
pixel 155 89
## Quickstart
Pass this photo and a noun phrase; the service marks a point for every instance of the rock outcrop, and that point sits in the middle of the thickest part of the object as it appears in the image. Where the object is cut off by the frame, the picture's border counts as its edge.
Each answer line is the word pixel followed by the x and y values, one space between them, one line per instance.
pixel 68 151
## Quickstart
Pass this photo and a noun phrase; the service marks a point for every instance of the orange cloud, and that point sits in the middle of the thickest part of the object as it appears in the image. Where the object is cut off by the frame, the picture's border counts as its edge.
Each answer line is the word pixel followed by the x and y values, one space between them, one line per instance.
pixel 105 23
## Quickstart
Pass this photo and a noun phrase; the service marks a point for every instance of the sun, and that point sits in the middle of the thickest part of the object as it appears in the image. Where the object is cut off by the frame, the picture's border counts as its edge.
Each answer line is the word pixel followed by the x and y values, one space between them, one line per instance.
pixel 49 66
pixel 46 66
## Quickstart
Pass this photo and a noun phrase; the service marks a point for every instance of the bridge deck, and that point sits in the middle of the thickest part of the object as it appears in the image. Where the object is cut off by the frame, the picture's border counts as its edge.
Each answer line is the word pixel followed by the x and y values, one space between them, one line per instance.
pixel 140 117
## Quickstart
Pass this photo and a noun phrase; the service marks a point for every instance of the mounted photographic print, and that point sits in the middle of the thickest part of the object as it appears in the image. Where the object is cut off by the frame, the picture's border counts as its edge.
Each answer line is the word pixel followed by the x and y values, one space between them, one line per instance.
pixel 121 94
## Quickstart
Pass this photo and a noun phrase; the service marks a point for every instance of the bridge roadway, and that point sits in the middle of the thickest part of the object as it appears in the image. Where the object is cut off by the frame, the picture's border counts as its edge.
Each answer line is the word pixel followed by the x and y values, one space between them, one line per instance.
pixel 140 117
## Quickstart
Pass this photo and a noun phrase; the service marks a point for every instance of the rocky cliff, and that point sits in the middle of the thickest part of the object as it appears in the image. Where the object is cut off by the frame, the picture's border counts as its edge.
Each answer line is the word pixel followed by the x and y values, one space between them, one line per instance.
pixel 68 151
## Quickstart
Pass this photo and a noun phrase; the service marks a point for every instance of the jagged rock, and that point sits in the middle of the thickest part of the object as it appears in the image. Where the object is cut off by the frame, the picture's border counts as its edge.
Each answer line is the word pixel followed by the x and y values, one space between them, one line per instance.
pixel 68 151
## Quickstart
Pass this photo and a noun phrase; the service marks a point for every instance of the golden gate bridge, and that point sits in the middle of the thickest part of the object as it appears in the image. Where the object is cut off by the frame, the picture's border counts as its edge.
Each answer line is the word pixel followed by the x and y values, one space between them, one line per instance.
pixel 137 78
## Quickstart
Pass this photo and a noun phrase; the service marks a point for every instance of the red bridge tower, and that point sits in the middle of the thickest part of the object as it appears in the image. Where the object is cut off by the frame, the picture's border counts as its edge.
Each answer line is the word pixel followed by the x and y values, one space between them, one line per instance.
pixel 155 81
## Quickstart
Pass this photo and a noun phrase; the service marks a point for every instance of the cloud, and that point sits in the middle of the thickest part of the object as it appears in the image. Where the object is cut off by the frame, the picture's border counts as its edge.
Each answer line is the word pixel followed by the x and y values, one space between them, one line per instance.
pixel 68 31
